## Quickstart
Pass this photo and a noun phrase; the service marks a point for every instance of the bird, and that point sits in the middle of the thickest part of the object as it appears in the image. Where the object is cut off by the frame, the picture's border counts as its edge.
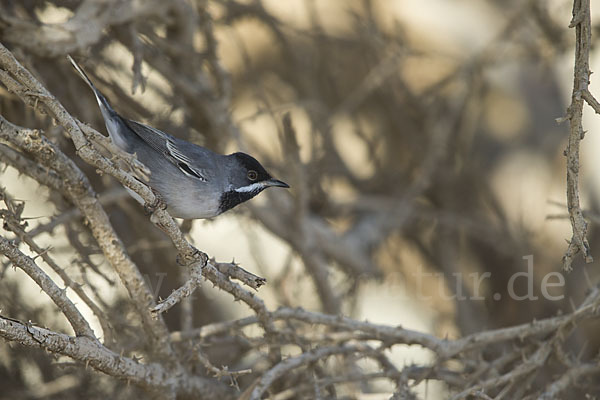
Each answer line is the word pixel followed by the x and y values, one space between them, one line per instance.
pixel 193 181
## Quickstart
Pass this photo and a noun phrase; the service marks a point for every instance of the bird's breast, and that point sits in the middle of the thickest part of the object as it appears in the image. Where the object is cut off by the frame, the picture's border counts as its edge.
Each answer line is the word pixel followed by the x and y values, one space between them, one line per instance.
pixel 186 197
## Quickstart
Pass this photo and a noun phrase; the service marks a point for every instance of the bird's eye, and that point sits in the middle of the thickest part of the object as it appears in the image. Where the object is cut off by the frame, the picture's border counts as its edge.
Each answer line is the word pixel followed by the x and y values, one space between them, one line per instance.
pixel 252 175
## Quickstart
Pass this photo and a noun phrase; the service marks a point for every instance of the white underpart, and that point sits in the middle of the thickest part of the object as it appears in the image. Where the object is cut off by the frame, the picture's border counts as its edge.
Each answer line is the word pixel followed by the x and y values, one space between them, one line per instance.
pixel 250 188
pixel 136 196
pixel 113 129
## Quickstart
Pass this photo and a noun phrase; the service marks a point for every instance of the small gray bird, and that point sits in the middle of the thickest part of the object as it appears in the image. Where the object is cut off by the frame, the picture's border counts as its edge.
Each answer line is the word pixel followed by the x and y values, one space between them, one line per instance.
pixel 193 181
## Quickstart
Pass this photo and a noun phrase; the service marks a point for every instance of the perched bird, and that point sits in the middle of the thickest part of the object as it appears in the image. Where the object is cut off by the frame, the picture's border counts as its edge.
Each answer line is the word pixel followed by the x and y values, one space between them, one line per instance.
pixel 193 181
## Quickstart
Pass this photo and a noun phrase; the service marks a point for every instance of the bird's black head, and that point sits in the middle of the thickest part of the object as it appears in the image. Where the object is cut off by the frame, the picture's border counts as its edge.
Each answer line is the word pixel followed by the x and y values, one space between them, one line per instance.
pixel 247 178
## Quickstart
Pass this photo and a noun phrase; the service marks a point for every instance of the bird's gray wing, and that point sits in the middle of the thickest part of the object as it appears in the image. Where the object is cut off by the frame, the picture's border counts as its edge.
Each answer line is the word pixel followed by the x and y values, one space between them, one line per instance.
pixel 166 145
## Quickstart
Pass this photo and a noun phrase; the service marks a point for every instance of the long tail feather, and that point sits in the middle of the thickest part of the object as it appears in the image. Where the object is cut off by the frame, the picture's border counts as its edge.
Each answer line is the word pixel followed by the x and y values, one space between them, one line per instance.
pixel 114 123
pixel 102 102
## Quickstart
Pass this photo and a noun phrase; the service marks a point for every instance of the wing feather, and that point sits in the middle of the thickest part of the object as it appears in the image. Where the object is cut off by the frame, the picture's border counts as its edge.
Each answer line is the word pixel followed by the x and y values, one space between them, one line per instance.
pixel 165 144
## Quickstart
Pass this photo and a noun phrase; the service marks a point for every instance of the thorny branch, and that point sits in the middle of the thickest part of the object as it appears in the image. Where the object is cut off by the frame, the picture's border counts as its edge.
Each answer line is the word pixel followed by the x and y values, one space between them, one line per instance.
pixel 92 353
pixel 583 41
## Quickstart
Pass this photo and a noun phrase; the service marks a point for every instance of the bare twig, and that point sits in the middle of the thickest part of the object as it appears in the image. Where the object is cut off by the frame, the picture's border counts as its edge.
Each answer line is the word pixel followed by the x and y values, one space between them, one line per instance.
pixel 583 37
pixel 58 296
pixel 90 352
pixel 184 291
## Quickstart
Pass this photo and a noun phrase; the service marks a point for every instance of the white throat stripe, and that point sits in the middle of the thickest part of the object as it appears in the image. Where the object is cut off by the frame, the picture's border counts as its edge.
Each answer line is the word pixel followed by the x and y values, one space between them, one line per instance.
pixel 250 188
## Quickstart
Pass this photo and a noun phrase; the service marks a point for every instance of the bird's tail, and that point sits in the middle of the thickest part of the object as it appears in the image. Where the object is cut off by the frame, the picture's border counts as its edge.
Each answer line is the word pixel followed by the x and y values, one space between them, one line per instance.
pixel 102 102
pixel 111 118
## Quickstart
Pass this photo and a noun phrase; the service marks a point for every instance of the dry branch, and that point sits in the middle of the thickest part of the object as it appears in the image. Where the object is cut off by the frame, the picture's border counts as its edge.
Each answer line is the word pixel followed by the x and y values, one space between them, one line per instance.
pixel 583 40
pixel 92 353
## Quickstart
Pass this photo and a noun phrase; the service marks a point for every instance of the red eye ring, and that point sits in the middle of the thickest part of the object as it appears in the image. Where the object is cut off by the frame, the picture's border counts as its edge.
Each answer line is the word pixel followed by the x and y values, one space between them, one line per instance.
pixel 252 175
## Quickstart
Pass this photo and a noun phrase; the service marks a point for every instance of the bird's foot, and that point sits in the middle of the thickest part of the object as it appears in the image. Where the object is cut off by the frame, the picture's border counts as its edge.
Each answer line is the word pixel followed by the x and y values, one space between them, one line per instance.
pixel 192 257
pixel 158 203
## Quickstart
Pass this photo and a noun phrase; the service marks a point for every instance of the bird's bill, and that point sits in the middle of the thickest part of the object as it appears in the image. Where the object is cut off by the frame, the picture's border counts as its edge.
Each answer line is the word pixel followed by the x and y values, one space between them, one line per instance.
pixel 276 182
